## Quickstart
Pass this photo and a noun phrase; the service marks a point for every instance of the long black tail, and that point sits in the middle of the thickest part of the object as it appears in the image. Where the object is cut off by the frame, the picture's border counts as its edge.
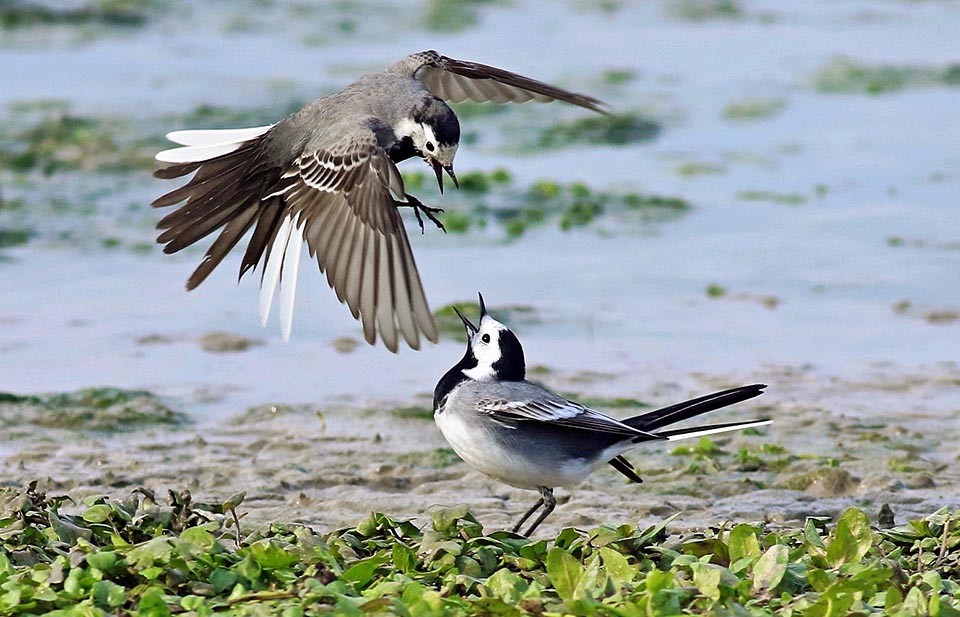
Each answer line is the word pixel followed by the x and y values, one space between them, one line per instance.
pixel 652 420
pixel 678 412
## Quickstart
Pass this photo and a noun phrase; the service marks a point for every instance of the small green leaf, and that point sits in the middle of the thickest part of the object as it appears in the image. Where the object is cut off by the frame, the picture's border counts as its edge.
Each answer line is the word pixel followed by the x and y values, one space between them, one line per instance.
pixel 706 578
pixel 505 585
pixel 152 604
pixel 564 571
pixel 851 539
pixel 742 542
pixel 404 559
pixel 108 594
pixel 234 500
pixel 616 566
pixel 222 580
pixel 97 514
pixel 103 560
pixel 270 556
pixel 362 571
pixel 770 568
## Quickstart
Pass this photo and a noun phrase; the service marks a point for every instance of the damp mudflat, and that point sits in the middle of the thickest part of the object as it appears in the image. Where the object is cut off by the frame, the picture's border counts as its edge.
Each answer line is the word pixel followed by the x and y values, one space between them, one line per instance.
pixel 771 203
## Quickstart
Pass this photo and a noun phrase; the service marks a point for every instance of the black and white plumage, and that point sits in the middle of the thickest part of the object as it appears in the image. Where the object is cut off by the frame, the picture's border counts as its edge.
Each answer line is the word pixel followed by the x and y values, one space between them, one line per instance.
pixel 529 437
pixel 327 176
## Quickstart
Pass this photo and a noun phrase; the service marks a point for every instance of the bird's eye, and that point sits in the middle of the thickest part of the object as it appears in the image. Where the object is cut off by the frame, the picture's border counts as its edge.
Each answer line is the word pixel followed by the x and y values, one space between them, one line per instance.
pixel 430 146
pixel 485 338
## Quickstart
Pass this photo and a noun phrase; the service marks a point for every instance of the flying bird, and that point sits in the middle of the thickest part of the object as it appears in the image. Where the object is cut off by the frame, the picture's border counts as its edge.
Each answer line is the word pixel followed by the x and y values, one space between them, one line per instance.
pixel 327 176
pixel 529 437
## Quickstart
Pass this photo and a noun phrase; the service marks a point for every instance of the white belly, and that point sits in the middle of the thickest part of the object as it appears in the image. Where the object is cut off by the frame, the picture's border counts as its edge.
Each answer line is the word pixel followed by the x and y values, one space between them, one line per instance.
pixel 508 465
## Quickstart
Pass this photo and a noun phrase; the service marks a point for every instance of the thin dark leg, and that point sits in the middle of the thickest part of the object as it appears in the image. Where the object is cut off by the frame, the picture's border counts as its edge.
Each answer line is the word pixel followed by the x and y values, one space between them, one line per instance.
pixel 516 528
pixel 549 504
pixel 418 207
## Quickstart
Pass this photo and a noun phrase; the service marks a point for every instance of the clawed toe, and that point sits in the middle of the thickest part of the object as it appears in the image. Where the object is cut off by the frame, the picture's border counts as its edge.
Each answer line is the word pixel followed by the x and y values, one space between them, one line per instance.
pixel 419 207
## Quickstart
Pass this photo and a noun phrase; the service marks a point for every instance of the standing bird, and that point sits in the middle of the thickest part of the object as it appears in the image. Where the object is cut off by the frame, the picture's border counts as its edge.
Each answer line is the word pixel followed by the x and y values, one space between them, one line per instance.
pixel 525 435
pixel 327 175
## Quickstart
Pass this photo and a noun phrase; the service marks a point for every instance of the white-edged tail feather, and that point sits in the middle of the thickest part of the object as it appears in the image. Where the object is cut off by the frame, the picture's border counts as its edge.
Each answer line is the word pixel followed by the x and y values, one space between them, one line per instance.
pixel 195 154
pixel 288 278
pixel 216 137
pixel 693 433
pixel 203 145
pixel 271 269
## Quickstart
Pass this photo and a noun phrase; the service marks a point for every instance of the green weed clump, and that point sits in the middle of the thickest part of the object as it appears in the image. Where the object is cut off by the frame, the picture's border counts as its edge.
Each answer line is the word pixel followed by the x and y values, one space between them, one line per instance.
pixel 614 130
pixel 569 205
pixel 26 14
pixel 142 556
pixel 452 15
pixel 89 409
pixel 845 75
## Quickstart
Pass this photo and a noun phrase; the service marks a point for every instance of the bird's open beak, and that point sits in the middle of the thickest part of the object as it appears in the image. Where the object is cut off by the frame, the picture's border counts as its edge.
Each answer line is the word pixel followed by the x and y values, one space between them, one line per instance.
pixel 483 307
pixel 453 176
pixel 438 169
pixel 471 329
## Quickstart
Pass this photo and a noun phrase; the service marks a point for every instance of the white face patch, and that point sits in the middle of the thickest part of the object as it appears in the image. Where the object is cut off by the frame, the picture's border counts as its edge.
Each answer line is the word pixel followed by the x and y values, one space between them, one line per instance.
pixel 485 345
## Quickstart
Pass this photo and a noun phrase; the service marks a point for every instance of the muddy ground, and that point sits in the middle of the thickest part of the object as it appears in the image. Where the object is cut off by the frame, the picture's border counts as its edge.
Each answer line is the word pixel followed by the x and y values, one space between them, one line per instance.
pixel 835 443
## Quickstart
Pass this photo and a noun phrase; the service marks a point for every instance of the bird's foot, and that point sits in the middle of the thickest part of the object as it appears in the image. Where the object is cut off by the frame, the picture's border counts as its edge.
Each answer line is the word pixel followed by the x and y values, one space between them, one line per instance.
pixel 429 212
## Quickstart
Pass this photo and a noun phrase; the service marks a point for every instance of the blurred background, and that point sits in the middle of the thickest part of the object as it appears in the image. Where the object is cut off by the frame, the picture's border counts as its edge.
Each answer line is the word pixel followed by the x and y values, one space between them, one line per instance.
pixel 776 199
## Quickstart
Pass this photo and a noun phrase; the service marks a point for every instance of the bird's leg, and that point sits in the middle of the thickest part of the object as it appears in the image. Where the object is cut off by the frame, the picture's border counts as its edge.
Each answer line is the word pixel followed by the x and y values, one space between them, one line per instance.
pixel 549 502
pixel 516 528
pixel 419 207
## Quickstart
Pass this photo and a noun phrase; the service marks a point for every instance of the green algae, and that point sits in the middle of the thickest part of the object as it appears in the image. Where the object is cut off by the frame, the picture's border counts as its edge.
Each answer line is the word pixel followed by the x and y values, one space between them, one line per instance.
pixel 705 10
pixel 115 13
pixel 48 138
pixel 15 237
pixel 616 130
pixel 693 169
pixel 90 409
pixel 784 199
pixel 615 77
pixel 412 412
pixel 518 210
pixel 750 110
pixel 452 15
pixel 843 75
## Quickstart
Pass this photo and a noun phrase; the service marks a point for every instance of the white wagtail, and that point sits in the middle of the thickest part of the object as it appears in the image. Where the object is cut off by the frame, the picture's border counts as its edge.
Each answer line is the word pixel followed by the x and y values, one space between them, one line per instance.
pixel 327 175
pixel 521 433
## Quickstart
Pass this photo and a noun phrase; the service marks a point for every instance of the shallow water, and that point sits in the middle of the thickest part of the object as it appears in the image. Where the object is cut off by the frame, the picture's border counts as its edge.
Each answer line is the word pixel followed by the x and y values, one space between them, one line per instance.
pixel 814 291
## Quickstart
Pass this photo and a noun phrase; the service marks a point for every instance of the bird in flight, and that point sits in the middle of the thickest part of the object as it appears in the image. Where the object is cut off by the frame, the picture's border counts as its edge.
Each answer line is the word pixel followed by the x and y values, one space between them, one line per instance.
pixel 529 437
pixel 327 176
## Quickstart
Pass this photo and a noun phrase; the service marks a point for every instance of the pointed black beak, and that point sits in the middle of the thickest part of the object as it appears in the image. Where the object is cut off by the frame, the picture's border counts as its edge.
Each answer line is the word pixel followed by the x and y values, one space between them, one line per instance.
pixel 483 307
pixel 438 169
pixel 471 329
pixel 453 176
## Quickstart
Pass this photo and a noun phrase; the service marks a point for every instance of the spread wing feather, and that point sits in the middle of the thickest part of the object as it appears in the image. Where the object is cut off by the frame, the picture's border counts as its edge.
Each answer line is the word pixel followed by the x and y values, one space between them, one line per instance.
pixel 340 197
pixel 460 80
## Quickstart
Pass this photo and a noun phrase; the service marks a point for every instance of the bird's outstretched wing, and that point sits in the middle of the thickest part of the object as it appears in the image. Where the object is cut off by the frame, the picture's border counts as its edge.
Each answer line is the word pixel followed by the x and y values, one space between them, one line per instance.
pixel 558 412
pixel 340 198
pixel 460 80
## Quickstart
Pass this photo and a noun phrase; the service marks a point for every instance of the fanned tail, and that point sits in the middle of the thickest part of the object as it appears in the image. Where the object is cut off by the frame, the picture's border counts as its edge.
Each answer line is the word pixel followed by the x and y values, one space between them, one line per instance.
pixel 225 193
